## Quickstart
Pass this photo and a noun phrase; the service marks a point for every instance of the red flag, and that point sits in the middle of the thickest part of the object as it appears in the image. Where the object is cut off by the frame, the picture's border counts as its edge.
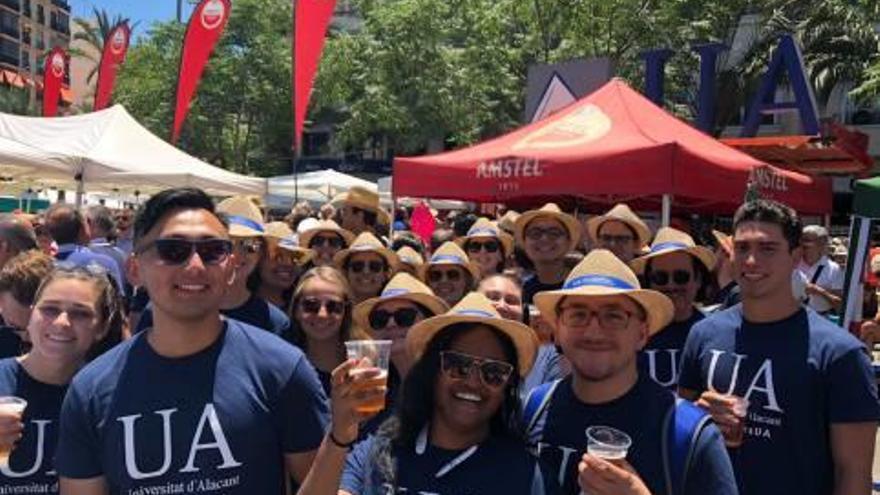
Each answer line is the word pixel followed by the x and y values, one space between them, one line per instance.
pixel 205 27
pixel 422 222
pixel 115 47
pixel 311 18
pixel 53 74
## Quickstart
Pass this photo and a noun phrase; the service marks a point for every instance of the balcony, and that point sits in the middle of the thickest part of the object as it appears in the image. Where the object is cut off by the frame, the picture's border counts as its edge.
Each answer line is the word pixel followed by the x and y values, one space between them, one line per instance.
pixel 61 4
pixel 60 27
pixel 10 30
pixel 6 58
pixel 12 4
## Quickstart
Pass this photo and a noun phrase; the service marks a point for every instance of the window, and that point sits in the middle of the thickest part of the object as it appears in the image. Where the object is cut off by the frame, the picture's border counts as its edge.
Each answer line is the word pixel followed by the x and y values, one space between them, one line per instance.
pixel 9 24
pixel 25 60
pixel 26 35
pixel 41 15
pixel 26 8
pixel 8 51
pixel 41 43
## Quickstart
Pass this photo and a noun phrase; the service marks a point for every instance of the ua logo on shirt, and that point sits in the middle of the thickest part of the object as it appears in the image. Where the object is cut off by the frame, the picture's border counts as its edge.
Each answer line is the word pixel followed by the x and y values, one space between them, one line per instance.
pixel 41 426
pixel 663 359
pixel 761 382
pixel 209 418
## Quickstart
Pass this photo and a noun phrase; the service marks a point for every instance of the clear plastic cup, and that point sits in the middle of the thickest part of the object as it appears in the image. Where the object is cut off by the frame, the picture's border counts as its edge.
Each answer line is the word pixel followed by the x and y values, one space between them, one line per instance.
pixel 10 406
pixel 607 443
pixel 370 354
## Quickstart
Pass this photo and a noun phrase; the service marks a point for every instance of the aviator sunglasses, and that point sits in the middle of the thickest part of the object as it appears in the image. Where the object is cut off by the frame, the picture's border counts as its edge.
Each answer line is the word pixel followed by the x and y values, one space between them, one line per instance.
pixel 174 251
pixel 333 242
pixel 360 266
pixel 489 247
pixel 459 366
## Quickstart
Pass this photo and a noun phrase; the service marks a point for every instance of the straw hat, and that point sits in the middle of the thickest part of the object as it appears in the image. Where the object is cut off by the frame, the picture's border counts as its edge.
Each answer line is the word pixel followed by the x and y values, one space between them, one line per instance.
pixel 245 219
pixel 621 213
pixel 361 197
pixel 507 222
pixel 602 274
pixel 402 287
pixel 366 243
pixel 484 228
pixel 410 256
pixel 724 241
pixel 550 210
pixel 669 240
pixel 475 308
pixel 450 254
pixel 305 237
pixel 282 232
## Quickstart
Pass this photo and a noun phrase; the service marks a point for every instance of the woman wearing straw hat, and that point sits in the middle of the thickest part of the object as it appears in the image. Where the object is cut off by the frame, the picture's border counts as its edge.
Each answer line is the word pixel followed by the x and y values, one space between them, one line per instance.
pixel 326 239
pixel 403 303
pixel 602 318
pixel 367 264
pixel 280 266
pixel 547 235
pixel 487 246
pixel 620 231
pixel 410 260
pixel 678 268
pixel 450 273
pixel 361 212
pixel 456 429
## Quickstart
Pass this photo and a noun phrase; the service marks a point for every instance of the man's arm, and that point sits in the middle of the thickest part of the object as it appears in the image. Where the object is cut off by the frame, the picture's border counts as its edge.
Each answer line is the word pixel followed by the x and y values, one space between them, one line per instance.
pixel 90 486
pixel 299 464
pixel 852 451
pixel 832 296
pixel 688 394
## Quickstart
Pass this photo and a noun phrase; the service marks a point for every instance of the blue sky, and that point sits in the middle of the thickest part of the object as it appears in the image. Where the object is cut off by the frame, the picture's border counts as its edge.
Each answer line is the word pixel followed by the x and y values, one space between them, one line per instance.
pixel 145 11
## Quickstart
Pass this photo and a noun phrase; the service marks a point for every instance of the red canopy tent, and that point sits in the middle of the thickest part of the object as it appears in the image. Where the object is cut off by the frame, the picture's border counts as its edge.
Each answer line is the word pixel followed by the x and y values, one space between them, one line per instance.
pixel 612 145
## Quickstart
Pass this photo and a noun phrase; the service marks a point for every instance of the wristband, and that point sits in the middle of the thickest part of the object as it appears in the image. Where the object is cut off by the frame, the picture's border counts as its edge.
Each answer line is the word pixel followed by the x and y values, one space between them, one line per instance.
pixel 341 445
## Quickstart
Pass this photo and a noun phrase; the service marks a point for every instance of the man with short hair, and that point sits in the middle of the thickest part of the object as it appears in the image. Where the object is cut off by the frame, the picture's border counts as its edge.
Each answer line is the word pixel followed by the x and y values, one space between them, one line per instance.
pixel 16 236
pixel 102 229
pixel 67 226
pixel 196 403
pixel 547 235
pixel 620 231
pixel 601 320
pixel 808 386
pixel 19 280
pixel 361 212
pixel 824 277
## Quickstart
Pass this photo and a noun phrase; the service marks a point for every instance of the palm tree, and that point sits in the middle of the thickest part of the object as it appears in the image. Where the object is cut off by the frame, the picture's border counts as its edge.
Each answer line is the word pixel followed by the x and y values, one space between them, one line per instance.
pixel 93 33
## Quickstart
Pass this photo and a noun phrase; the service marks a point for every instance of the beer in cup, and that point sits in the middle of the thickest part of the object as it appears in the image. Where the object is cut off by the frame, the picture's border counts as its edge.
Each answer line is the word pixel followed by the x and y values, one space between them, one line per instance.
pixel 370 355
pixel 10 406
pixel 607 443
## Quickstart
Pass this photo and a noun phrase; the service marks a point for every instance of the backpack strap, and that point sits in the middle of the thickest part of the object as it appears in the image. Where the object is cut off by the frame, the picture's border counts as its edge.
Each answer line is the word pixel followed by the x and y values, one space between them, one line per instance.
pixel 536 402
pixel 682 427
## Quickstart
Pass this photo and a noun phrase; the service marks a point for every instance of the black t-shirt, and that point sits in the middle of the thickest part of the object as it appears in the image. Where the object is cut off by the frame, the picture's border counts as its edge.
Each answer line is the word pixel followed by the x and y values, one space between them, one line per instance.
pixel 661 356
pixel 10 344
pixel 532 286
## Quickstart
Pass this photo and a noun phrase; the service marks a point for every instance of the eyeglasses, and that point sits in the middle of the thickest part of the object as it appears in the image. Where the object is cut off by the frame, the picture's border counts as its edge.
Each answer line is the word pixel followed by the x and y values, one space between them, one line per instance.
pixel 678 277
pixel 372 266
pixel 459 366
pixel 404 317
pixel 333 242
pixel 174 251
pixel 453 275
pixel 246 246
pixel 489 247
pixel 75 315
pixel 615 239
pixel 611 319
pixel 313 306
pixel 554 234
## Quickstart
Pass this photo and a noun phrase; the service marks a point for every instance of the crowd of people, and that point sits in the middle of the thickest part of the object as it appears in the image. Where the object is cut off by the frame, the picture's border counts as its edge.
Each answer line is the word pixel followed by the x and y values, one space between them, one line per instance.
pixel 198 347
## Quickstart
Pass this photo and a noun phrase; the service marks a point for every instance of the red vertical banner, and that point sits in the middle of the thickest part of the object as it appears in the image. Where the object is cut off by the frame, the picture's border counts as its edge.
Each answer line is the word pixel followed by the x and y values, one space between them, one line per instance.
pixel 115 48
pixel 311 18
pixel 54 68
pixel 202 33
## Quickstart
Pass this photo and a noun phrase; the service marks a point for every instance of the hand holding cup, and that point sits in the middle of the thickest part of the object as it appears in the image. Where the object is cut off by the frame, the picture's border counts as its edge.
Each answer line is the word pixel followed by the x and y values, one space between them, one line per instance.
pixel 350 394
pixel 729 413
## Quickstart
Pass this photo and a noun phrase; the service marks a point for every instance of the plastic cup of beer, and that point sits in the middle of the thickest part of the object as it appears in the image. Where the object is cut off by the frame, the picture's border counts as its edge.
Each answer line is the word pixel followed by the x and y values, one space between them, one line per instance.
pixel 370 355
pixel 608 443
pixel 734 435
pixel 10 406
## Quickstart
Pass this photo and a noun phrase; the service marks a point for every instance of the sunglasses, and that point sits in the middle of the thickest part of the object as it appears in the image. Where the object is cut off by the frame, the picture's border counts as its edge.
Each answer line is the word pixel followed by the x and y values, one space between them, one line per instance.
pixel 678 277
pixel 372 266
pixel 333 242
pixel 489 247
pixel 459 366
pixel 174 251
pixel 439 275
pixel 246 246
pixel 404 317
pixel 313 306
pixel 553 234
pixel 615 239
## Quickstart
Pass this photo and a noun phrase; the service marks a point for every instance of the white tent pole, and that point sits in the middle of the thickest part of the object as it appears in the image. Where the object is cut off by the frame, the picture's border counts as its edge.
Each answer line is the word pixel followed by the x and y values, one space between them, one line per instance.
pixel 666 211
pixel 860 230
pixel 80 190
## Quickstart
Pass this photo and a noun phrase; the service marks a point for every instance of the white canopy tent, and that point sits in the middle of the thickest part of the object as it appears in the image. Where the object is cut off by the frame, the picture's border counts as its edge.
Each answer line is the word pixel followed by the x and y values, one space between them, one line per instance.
pixel 385 184
pixel 315 187
pixel 110 149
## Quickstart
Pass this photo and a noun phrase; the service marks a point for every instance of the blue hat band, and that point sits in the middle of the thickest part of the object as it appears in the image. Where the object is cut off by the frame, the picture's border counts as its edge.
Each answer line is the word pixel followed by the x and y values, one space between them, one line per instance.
pixel 598 281
pixel 475 312
pixel 393 293
pixel 245 222
pixel 447 258
pixel 665 246
pixel 482 230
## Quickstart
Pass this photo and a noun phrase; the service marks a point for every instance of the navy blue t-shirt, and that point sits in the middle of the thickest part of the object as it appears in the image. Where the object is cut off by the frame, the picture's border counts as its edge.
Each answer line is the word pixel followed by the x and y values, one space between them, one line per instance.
pixel 10 343
pixel 217 421
pixel 532 286
pixel 661 355
pixel 800 375
pixel 498 465
pixel 255 311
pixel 30 468
pixel 559 437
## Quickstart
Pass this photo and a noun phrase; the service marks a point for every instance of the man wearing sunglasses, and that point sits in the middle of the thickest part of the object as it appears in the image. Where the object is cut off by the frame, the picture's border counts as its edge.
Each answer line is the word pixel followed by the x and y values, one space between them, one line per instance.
pixel 677 267
pixel 197 402
pixel 601 319
pixel 546 235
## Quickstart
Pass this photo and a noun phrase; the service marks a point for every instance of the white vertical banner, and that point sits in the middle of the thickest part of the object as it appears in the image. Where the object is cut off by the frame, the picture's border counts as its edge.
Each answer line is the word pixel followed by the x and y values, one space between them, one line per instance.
pixel 859 236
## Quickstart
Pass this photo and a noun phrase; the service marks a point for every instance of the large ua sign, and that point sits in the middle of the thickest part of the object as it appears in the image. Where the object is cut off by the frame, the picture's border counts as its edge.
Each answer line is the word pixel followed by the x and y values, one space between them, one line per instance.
pixel 787 59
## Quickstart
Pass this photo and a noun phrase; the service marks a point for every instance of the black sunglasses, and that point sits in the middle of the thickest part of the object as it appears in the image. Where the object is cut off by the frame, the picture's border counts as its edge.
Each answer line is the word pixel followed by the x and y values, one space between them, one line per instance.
pixel 320 241
pixel 459 366
pixel 313 306
pixel 405 317
pixel 489 247
pixel 678 277
pixel 174 251
pixel 438 275
pixel 373 266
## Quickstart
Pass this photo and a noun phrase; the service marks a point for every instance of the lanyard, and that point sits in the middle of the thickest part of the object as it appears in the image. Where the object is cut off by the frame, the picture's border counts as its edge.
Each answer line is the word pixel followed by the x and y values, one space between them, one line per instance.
pixel 422 445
